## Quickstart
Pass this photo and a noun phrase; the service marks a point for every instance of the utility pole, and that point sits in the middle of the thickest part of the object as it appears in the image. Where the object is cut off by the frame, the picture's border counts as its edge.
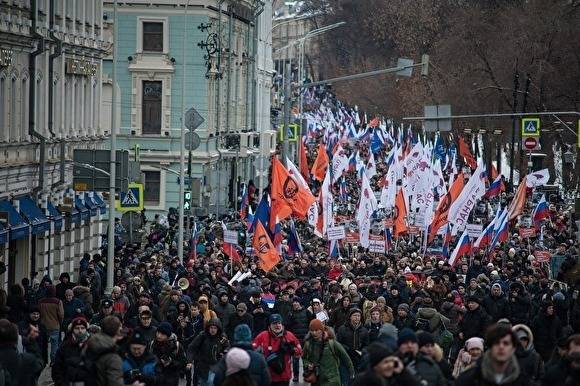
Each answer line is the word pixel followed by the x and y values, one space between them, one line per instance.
pixel 515 121
pixel 112 163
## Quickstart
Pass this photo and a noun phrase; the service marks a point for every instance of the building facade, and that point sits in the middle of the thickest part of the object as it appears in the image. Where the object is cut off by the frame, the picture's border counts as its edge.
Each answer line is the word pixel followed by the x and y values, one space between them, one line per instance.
pixel 50 101
pixel 210 56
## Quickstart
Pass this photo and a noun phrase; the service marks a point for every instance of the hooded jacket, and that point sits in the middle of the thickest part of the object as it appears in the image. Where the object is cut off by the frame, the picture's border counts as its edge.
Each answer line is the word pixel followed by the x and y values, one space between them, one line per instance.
pixel 483 375
pixel 497 306
pixel 172 352
pixel 436 320
pixel 268 343
pixel 329 356
pixel 143 366
pixel 547 329
pixel 474 322
pixel 258 367
pixel 529 360
pixel 520 305
pixel 102 349
pixel 62 287
pixel 206 349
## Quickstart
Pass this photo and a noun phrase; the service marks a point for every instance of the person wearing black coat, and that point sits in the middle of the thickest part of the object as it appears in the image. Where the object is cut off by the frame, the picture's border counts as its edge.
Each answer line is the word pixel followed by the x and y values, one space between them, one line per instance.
pixel 67 367
pixel 353 336
pixel 298 320
pixel 64 284
pixel 475 320
pixel 404 319
pixel 547 329
pixel 496 304
pixel 564 372
pixel 520 304
pixel 25 368
pixel 207 348
pixel 529 360
pixel 241 317
pixel 15 303
pixel 340 312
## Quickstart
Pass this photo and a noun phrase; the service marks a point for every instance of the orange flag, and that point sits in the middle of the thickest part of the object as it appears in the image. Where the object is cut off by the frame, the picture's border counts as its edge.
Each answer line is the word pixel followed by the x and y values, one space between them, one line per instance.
pixel 288 197
pixel 445 202
pixel 304 162
pixel 400 214
pixel 494 173
pixel 466 154
pixel 374 122
pixel 519 201
pixel 264 248
pixel 321 163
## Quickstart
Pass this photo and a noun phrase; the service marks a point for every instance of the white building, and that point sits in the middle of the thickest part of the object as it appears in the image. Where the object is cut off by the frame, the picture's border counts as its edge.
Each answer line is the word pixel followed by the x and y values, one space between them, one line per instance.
pixel 50 102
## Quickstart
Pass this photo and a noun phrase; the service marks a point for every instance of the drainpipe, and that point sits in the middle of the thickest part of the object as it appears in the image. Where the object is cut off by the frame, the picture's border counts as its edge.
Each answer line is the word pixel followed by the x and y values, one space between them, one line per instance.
pixel 255 63
pixel 32 96
pixel 57 52
pixel 229 70
pixel 218 104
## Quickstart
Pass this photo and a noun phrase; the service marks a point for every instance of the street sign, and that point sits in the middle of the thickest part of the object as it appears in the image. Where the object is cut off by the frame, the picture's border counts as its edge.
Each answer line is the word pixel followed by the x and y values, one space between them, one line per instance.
pixel 293 133
pixel 192 119
pixel 187 200
pixel 131 200
pixel 402 63
pixel 432 121
pixel 530 127
pixel 530 143
pixel 91 170
pixel 192 141
pixel 231 237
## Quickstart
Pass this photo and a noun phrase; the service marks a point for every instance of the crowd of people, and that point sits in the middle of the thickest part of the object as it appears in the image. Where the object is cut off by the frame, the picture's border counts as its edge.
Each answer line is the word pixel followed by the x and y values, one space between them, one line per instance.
pixel 354 317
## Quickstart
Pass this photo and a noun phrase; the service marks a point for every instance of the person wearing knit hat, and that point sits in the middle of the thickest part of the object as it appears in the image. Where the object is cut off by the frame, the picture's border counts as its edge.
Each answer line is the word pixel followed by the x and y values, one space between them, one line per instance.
pixel 468 356
pixel 139 364
pixel 425 339
pixel 425 366
pixel 475 319
pixel 204 309
pixel 72 347
pixel 353 335
pixel 237 359
pixel 165 329
pixel 406 335
pixel 384 369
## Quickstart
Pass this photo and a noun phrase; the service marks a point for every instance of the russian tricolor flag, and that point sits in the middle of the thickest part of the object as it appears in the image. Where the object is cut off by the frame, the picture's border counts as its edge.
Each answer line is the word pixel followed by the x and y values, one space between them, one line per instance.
pixel 485 237
pixel 541 212
pixel 294 244
pixel 496 187
pixel 446 241
pixel 500 229
pixel 462 248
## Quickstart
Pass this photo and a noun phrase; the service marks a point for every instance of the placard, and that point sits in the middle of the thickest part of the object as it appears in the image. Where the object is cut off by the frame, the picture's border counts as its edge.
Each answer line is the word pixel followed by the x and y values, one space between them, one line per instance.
pixel 542 256
pixel 376 244
pixel 526 233
pixel 352 237
pixel 388 222
pixel 474 230
pixel 231 237
pixel 414 230
pixel 336 233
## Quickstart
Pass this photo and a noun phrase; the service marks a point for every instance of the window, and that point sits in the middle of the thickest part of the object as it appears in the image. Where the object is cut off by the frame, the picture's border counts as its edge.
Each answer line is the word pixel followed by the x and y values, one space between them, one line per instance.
pixel 152 187
pixel 152 37
pixel 2 108
pixel 151 106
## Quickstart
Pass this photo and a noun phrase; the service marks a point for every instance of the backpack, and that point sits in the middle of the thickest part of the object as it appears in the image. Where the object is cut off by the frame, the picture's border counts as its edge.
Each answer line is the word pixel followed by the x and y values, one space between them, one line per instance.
pixel 88 367
pixel 422 324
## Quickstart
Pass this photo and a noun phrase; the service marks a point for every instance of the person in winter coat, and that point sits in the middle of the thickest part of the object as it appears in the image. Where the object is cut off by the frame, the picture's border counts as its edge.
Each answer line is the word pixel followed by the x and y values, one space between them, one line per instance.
pixel 146 326
pixel 388 336
pixel 298 321
pixel 339 314
pixel 474 289
pixel 65 284
pixel 101 349
pixel 547 329
pixel 468 356
pixel 67 367
pixel 529 360
pixel 520 304
pixel 52 316
pixel 384 369
pixel 566 371
pixel 323 355
pixel 207 349
pixel 139 365
pixel 83 292
pixel 224 309
pixel 374 324
pixel 72 306
pixel 404 319
pixel 353 336
pixel 424 368
pixel 40 341
pixel 24 368
pixel 258 368
pixel 386 311
pixel 278 346
pixel 241 317
pixel 499 365
pixel 496 304
pixel 170 355
pixel 475 320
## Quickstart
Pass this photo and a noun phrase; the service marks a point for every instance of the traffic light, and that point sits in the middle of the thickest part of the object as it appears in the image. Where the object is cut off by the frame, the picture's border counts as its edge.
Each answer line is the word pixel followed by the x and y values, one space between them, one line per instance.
pixel 187 200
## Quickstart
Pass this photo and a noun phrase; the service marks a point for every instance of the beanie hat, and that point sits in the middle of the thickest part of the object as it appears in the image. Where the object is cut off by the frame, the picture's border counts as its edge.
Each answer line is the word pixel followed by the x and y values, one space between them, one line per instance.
pixel 404 307
pixel 165 328
pixel 316 325
pixel 406 335
pixel 78 321
pixel 353 311
pixel 138 338
pixel 275 318
pixel 242 334
pixel 474 342
pixel 425 338
pixel 377 352
pixel 237 359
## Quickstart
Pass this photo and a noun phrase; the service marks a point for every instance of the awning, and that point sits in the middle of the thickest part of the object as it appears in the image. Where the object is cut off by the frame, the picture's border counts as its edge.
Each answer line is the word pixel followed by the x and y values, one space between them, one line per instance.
pixel 34 216
pixel 75 216
pixel 56 216
pixel 3 234
pixel 17 226
pixel 85 213
pixel 92 205
pixel 102 205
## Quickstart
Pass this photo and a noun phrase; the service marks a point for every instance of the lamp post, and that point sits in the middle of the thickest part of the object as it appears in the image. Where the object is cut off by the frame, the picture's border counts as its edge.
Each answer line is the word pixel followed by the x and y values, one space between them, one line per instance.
pixel 112 163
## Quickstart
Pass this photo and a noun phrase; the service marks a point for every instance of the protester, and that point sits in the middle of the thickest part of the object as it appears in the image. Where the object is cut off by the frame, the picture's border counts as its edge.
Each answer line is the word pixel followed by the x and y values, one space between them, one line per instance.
pixel 206 350
pixel 51 317
pixel 170 356
pixel 101 349
pixel 22 368
pixel 384 369
pixel 68 366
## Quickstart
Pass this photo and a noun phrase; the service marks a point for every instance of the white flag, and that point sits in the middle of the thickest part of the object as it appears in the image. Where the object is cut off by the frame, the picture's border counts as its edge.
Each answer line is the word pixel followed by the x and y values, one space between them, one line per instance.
pixel 313 210
pixel 471 193
pixel 327 201
pixel 371 168
pixel 339 163
pixel 366 207
pixel 539 178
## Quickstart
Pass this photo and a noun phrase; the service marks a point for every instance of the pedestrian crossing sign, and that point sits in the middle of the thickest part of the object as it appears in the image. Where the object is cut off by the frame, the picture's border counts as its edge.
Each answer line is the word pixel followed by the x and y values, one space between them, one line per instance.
pixel 530 127
pixel 132 199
